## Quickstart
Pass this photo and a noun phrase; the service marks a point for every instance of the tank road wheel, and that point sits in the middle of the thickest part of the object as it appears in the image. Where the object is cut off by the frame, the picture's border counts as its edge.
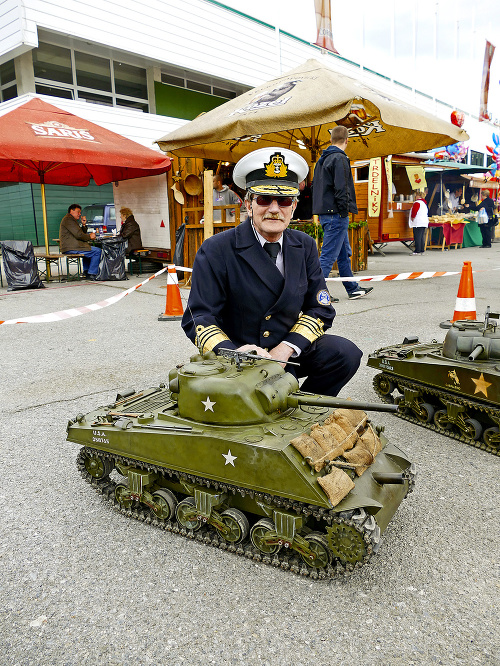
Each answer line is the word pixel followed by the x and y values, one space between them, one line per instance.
pixel 183 513
pixel 473 429
pixel 319 546
pixel 347 543
pixel 425 412
pixel 122 496
pixel 383 385
pixel 166 503
pixel 238 526
pixel 259 531
pixel 97 466
pixel 491 437
pixel 441 420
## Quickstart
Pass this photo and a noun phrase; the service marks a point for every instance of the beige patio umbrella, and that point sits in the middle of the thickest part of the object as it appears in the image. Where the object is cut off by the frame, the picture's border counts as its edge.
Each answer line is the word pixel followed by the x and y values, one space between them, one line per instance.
pixel 297 109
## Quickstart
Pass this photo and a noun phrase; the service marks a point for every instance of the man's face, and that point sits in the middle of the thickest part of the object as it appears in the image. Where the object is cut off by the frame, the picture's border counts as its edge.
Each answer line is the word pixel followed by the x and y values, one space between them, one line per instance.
pixel 270 219
pixel 76 212
pixel 217 184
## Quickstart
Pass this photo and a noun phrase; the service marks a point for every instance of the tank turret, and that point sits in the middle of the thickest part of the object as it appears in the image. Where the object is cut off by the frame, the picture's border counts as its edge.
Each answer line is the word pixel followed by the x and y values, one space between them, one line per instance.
pixel 452 387
pixel 473 340
pixel 245 391
pixel 231 452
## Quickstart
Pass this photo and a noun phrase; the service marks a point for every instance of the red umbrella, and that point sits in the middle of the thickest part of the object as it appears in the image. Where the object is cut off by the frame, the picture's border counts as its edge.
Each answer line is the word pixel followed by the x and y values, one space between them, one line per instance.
pixel 40 143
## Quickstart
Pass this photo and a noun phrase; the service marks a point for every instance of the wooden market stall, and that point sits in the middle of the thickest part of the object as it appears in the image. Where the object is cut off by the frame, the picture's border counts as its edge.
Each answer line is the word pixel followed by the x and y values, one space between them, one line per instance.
pixel 392 222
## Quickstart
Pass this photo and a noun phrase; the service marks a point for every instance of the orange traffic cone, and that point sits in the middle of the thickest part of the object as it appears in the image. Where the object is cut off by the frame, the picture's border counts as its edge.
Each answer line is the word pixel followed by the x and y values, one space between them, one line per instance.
pixel 465 306
pixel 173 307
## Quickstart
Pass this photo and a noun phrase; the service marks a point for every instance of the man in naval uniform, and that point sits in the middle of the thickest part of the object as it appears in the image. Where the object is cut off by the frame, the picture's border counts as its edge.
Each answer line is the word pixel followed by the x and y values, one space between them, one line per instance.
pixel 259 286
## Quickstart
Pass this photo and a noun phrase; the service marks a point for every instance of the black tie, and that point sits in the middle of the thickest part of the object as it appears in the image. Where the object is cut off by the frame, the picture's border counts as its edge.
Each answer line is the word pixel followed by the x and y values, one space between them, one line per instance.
pixel 272 250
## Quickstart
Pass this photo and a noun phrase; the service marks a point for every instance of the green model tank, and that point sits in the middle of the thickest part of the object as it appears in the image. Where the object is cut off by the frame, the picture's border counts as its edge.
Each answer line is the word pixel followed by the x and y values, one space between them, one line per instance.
pixel 233 454
pixel 451 387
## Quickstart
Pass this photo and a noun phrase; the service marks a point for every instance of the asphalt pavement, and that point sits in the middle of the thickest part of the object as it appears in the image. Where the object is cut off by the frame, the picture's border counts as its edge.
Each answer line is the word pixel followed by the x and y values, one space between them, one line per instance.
pixel 82 584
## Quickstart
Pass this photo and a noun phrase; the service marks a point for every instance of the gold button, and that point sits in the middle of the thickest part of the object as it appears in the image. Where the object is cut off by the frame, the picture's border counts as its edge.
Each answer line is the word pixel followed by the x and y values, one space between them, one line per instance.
pixel 266 334
pixel 268 317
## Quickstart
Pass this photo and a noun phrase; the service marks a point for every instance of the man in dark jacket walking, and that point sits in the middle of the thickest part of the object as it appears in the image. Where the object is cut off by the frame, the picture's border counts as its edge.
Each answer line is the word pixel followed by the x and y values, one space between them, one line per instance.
pixel 333 199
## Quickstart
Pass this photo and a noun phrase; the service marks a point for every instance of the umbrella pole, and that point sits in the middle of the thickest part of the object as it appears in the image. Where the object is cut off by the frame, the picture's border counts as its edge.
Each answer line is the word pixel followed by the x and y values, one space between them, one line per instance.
pixel 45 227
pixel 208 201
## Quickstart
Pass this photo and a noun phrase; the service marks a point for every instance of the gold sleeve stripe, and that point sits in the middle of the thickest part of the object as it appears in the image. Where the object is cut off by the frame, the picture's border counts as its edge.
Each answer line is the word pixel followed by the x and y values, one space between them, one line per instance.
pixel 308 327
pixel 208 337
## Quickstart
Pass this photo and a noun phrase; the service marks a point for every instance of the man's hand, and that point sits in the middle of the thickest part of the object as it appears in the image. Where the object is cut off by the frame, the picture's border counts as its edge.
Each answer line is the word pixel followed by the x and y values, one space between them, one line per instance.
pixel 92 235
pixel 259 350
pixel 281 352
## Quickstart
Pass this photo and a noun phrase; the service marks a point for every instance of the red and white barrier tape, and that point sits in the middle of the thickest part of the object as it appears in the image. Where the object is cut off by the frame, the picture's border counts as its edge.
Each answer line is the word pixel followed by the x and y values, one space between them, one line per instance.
pixel 419 275
pixel 84 309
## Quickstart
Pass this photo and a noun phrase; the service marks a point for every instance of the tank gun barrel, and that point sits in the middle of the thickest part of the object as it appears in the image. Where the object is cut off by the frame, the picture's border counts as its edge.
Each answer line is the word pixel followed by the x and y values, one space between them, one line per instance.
pixel 295 400
pixel 477 351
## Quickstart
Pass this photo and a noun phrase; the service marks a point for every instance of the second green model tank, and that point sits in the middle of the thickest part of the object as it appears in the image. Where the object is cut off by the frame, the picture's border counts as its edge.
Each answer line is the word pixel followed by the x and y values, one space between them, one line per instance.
pixel 451 387
pixel 233 454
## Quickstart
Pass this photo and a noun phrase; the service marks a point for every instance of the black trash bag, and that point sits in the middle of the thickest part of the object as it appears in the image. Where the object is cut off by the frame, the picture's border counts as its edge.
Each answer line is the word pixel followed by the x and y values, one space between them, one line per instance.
pixel 112 264
pixel 178 257
pixel 19 265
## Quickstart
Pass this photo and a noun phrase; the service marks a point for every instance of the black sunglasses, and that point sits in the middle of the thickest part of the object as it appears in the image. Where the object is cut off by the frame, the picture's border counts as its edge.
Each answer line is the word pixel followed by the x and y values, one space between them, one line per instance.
pixel 263 200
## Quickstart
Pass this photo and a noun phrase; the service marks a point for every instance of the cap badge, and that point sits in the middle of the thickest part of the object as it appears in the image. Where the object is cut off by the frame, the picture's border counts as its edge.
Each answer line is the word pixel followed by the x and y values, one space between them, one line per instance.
pixel 276 167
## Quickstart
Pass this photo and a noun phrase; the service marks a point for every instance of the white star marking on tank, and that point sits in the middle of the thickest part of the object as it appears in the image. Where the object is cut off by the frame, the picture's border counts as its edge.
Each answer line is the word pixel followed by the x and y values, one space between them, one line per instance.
pixel 229 458
pixel 209 405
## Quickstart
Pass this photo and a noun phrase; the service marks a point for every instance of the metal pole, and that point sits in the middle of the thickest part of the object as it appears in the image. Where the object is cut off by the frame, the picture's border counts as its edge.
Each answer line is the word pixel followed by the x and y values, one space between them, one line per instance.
pixel 208 204
pixel 34 213
pixel 45 227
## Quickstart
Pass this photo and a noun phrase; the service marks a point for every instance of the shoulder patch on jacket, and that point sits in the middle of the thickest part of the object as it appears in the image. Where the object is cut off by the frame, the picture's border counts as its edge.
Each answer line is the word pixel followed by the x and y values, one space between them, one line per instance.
pixel 324 297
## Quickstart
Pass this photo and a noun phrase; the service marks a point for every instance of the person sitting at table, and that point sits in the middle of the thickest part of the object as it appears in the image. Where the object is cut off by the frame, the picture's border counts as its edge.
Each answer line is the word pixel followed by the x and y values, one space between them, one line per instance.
pixel 130 231
pixel 419 221
pixel 73 240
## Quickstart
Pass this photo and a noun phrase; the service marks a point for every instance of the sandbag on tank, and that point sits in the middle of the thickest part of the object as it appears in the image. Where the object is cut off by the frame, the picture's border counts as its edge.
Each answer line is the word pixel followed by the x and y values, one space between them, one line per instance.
pixel 19 265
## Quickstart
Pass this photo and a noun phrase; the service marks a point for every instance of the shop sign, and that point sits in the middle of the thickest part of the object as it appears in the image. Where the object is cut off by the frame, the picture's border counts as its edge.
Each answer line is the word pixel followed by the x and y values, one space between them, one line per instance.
pixel 388 171
pixel 55 130
pixel 374 187
pixel 416 176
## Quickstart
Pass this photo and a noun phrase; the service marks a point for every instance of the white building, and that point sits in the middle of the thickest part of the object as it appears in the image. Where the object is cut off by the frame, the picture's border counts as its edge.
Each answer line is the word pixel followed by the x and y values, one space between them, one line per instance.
pixel 142 70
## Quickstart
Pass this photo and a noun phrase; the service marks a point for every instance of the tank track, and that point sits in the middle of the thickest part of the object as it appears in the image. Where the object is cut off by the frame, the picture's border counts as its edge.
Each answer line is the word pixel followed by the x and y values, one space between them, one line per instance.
pixel 286 559
pixel 493 413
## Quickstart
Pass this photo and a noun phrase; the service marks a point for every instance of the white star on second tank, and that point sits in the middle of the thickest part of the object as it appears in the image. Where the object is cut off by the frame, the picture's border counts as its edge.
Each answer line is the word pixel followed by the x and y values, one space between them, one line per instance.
pixel 229 458
pixel 209 405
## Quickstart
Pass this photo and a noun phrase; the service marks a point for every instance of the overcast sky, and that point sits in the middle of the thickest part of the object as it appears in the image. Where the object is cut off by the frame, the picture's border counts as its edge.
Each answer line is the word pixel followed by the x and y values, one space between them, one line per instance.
pixel 451 71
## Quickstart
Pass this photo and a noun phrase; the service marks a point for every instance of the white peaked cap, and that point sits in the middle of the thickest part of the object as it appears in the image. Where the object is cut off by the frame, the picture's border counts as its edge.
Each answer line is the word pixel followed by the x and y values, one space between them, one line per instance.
pixel 272 171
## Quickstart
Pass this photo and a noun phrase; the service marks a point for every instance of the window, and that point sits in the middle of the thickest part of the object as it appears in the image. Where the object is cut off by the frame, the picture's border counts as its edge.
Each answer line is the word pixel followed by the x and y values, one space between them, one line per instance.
pixel 52 63
pixel 92 72
pixel 130 80
pixel 361 174
pixel 197 86
pixel 8 87
pixel 71 74
pixel 7 72
pixel 220 92
pixel 54 91
pixel 476 158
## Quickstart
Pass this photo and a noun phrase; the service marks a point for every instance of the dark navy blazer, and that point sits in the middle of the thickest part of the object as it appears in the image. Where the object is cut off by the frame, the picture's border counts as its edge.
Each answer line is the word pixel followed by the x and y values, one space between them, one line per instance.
pixel 238 296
